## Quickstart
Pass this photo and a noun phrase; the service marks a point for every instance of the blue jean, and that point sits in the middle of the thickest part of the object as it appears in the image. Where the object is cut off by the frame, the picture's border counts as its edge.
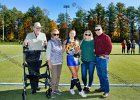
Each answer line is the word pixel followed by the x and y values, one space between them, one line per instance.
pixel 102 72
pixel 87 67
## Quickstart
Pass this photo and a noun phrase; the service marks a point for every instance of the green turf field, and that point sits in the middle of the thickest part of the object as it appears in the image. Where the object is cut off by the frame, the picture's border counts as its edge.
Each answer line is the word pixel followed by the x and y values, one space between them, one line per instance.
pixel 123 69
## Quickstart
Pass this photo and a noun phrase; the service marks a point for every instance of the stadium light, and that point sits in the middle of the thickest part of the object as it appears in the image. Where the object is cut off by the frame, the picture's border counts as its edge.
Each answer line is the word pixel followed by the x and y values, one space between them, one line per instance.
pixel 66 7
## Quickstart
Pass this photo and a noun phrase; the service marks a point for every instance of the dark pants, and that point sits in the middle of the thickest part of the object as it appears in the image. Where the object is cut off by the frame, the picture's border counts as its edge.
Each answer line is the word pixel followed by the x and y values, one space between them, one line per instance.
pixel 128 50
pixel 123 50
pixel 34 69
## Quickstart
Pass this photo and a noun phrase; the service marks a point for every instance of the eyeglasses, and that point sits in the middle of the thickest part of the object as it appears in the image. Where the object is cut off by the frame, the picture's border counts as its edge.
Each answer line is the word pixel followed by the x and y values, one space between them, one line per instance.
pixel 87 34
pixel 38 28
pixel 97 30
pixel 56 34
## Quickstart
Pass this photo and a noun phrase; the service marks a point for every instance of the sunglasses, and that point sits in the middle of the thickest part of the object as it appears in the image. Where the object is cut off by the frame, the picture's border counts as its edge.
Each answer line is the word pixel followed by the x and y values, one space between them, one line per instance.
pixel 97 30
pixel 87 34
pixel 56 34
pixel 38 28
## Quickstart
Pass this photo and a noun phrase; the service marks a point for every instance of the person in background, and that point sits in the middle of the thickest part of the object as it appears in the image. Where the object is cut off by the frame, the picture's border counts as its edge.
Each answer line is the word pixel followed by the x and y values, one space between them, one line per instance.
pixel 133 44
pixel 88 59
pixel 123 44
pixel 54 54
pixel 103 47
pixel 34 40
pixel 72 50
pixel 128 46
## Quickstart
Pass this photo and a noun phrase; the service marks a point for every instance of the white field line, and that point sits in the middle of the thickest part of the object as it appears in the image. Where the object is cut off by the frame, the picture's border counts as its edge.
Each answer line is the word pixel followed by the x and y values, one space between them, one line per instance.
pixel 96 85
pixel 3 59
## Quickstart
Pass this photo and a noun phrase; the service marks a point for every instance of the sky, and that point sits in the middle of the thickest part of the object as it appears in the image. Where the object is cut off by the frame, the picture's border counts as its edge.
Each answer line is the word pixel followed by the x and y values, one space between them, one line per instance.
pixel 56 7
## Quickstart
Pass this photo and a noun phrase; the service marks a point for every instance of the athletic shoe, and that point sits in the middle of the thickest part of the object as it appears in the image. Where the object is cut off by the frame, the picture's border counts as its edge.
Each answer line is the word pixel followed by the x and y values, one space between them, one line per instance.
pixel 58 92
pixel 38 89
pixel 72 91
pixel 99 90
pixel 82 94
pixel 33 91
pixel 86 89
pixel 105 95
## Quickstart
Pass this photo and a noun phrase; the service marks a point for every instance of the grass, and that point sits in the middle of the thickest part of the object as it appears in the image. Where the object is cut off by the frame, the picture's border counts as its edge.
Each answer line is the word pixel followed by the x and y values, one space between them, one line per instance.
pixel 116 94
pixel 9 43
pixel 123 69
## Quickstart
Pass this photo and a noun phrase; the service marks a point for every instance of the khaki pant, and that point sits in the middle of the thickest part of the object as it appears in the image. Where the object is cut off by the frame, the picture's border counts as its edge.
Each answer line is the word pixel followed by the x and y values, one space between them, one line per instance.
pixel 55 72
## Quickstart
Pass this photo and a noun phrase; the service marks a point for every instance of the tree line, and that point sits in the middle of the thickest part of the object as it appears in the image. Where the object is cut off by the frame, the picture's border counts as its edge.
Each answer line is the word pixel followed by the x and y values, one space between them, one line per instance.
pixel 118 21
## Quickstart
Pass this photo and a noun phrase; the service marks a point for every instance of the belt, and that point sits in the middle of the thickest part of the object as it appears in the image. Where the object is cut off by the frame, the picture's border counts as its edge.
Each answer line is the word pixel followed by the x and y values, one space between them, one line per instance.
pixel 98 55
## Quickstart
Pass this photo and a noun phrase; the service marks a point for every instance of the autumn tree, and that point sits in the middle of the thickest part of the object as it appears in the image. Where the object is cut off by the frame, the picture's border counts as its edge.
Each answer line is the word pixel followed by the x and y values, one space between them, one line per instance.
pixel 79 23
pixel 111 16
pixel 100 13
pixel 131 15
pixel 120 8
pixel 62 29
pixel 52 26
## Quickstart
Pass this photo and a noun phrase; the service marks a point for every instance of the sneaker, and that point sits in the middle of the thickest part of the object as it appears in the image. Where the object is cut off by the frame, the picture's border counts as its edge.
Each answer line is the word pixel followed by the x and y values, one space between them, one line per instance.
pixel 86 89
pixel 38 89
pixel 58 92
pixel 33 91
pixel 72 91
pixel 105 95
pixel 82 94
pixel 99 90
pixel 53 95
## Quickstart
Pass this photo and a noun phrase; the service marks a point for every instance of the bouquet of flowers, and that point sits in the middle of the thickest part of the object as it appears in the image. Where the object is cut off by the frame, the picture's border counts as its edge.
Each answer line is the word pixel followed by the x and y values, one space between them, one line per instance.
pixel 73 48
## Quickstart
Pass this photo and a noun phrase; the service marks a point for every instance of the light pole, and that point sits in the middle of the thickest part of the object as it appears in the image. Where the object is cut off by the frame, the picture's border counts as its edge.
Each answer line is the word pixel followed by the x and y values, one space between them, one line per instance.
pixel 66 7
pixel 2 11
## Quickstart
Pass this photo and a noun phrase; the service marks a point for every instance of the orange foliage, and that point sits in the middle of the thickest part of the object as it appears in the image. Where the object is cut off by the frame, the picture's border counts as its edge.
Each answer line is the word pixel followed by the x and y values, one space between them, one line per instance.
pixel 53 25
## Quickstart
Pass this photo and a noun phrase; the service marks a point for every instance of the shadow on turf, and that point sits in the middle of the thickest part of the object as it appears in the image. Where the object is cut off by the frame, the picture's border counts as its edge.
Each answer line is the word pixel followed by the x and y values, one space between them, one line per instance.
pixel 17 95
pixel 67 95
